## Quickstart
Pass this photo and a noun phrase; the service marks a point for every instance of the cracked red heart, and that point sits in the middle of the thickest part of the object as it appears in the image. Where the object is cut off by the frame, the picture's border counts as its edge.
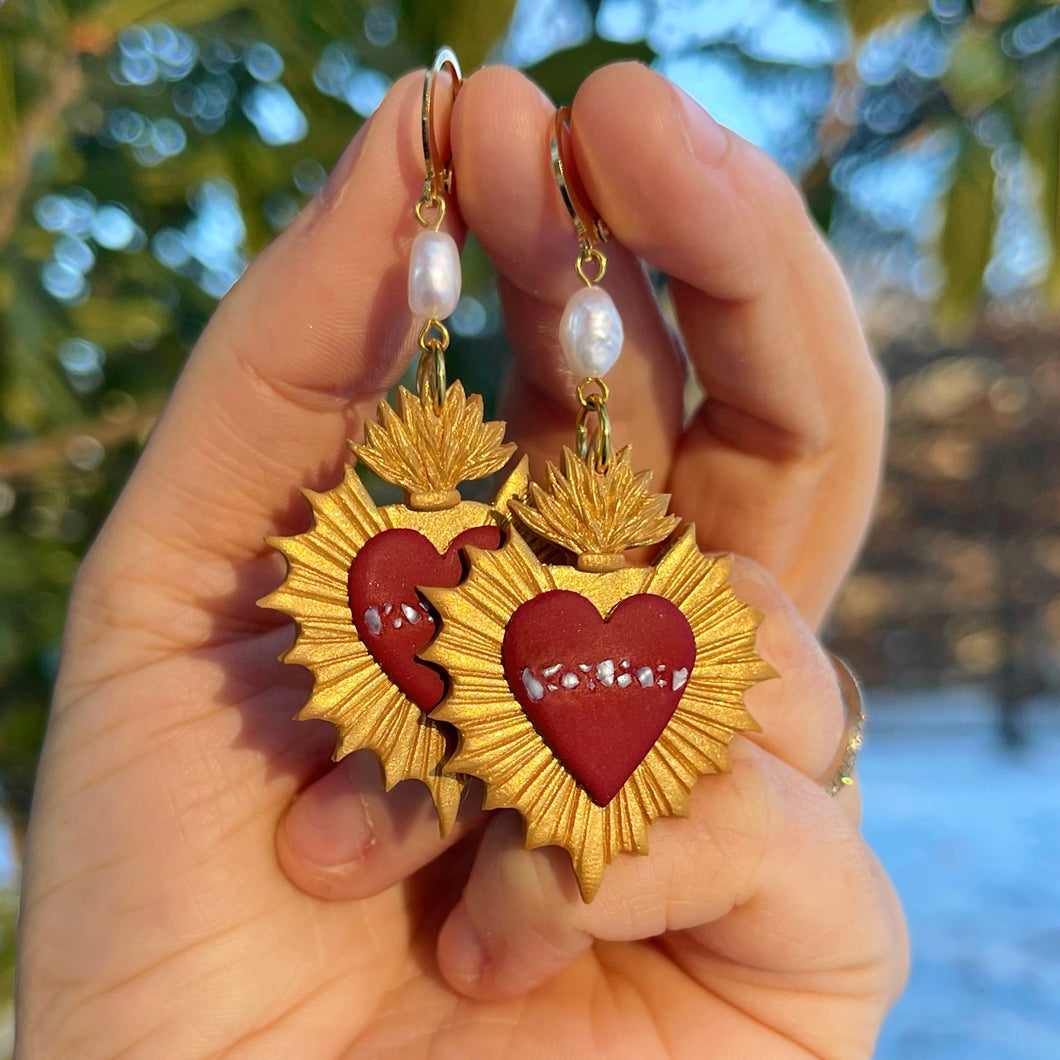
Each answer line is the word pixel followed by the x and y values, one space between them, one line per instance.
pixel 392 619
pixel 599 691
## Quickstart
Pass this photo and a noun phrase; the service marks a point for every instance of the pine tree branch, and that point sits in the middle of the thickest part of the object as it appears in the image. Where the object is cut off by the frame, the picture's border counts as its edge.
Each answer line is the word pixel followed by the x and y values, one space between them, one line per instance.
pixel 64 83
pixel 31 458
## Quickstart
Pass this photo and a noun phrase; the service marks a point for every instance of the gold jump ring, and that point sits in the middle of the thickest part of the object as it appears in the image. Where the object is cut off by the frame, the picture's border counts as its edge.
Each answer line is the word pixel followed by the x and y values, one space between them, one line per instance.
pixel 599 444
pixel 604 391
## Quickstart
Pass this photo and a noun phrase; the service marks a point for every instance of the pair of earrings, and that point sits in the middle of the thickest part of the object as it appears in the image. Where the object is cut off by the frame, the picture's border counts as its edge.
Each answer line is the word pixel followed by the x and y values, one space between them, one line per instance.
pixel 510 641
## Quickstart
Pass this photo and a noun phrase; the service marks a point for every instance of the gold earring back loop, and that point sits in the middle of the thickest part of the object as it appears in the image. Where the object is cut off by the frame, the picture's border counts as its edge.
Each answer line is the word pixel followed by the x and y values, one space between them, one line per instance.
pixel 587 223
pixel 439 174
pixel 430 372
pixel 597 445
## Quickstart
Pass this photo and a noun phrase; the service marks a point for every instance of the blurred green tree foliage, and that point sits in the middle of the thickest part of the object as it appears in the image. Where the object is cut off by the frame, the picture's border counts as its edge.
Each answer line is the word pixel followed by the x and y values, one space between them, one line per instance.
pixel 148 148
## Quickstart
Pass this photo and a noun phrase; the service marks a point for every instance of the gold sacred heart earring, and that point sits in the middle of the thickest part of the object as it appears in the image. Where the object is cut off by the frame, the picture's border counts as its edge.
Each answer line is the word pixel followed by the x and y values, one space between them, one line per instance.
pixel 590 695
pixel 353 579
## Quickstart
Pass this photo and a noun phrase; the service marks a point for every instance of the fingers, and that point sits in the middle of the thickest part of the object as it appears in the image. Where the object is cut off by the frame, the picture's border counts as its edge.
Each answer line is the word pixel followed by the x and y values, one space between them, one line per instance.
pixel 517 923
pixel 767 881
pixel 801 711
pixel 344 837
pixel 509 197
pixel 781 463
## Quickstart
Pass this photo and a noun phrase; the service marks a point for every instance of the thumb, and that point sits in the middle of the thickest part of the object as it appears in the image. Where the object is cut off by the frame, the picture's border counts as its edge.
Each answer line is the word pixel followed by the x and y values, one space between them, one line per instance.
pixel 767 882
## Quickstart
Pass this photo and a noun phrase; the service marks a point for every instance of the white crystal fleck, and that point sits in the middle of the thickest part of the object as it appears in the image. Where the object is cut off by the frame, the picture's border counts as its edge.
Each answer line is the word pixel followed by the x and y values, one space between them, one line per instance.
pixel 605 672
pixel 645 676
pixel 411 614
pixel 569 681
pixel 680 677
pixel 624 680
pixel 534 689
pixel 373 621
pixel 551 671
pixel 584 667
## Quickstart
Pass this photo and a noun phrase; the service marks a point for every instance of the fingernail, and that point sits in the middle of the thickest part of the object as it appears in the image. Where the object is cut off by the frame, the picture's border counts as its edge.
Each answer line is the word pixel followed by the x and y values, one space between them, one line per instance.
pixel 707 140
pixel 337 178
pixel 465 951
pixel 330 830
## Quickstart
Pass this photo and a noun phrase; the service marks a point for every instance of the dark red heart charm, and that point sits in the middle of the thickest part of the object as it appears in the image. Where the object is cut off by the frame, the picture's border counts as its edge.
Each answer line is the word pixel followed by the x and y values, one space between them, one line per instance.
pixel 392 619
pixel 599 691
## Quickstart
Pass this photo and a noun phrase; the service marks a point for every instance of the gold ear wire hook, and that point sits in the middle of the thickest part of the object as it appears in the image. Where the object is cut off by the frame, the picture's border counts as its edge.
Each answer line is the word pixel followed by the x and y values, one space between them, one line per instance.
pixel 439 176
pixel 587 223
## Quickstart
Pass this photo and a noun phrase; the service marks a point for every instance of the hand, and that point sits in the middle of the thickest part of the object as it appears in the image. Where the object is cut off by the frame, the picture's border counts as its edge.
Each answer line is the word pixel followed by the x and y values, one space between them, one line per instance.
pixel 200 882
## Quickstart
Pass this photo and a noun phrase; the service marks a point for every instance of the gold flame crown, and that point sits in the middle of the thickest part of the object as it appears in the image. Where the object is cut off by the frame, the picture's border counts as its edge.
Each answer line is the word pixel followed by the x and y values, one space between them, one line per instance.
pixel 596 515
pixel 429 450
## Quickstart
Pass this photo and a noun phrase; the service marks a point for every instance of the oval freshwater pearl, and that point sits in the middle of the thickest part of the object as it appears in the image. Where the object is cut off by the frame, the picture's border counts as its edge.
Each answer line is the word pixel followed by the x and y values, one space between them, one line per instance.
pixel 434 275
pixel 591 332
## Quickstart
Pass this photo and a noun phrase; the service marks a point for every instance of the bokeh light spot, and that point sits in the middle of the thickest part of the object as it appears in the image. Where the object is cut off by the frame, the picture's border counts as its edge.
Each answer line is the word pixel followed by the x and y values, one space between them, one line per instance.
pixel 365 90
pixel 470 317
pixel 309 176
pixel 113 227
pixel 622 20
pixel 280 210
pixel 74 253
pixel 380 25
pixel 274 113
pixel 263 62
pixel 80 357
pixel 85 452
pixel 170 248
pixel 62 282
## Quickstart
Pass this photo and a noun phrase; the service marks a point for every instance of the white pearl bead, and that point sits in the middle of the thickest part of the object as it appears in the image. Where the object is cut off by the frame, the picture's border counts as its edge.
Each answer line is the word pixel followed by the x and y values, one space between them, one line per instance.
pixel 591 332
pixel 434 275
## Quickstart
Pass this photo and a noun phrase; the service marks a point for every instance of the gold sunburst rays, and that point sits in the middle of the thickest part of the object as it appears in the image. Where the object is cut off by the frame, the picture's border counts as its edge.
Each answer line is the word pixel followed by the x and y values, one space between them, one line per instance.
pixel 596 514
pixel 428 451
pixel 499 744
pixel 350 688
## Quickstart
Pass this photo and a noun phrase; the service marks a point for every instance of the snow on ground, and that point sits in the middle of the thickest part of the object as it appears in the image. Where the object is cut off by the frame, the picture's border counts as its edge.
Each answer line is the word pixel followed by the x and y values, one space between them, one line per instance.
pixel 970 834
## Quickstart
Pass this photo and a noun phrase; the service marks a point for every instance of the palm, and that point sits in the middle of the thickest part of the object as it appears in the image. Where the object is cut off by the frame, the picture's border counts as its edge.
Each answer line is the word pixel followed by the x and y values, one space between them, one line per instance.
pixel 205 913
pixel 207 917
pixel 157 917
